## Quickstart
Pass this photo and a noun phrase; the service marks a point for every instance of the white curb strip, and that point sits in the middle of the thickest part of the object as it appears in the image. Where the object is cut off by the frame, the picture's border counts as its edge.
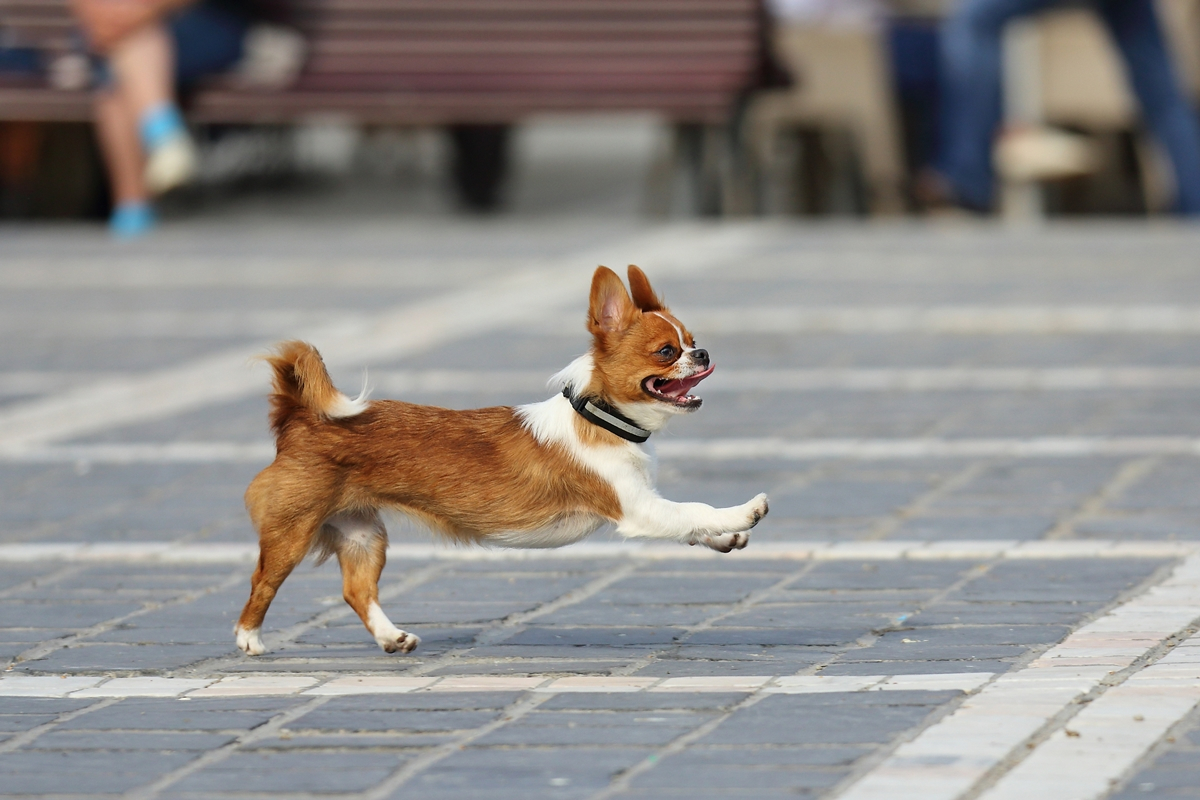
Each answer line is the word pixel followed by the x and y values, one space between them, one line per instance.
pixel 948 758
pixel 308 685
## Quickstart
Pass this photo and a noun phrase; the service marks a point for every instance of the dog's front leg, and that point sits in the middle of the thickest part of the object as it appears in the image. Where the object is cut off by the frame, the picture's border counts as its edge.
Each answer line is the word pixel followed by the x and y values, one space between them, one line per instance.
pixel 653 517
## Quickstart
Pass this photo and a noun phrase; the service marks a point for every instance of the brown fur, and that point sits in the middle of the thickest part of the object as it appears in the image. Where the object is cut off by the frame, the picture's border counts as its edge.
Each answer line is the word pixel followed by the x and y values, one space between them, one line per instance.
pixel 466 474
pixel 626 333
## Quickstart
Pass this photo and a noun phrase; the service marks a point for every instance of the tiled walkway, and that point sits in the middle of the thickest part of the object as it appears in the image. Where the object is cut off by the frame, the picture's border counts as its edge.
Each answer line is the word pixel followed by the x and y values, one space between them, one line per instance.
pixel 980 577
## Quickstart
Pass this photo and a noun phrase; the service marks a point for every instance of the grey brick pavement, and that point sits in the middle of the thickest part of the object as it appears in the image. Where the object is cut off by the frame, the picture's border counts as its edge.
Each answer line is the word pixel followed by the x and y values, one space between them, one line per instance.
pixel 80 312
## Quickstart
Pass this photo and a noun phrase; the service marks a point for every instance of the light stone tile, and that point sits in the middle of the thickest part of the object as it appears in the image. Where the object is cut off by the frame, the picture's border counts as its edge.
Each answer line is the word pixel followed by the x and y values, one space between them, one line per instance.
pixel 144 687
pixel 962 681
pixel 485 683
pixel 965 549
pixel 815 684
pixel 866 550
pixel 256 685
pixel 599 683
pixel 43 686
pixel 716 683
pixel 370 685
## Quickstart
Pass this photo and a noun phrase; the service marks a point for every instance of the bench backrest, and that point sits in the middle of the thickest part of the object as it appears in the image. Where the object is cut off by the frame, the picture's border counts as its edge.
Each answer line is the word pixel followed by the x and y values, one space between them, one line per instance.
pixel 447 61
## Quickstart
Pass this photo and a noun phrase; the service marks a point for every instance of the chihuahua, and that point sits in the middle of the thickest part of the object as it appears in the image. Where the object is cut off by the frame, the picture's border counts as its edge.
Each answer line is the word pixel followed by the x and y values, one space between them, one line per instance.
pixel 541 475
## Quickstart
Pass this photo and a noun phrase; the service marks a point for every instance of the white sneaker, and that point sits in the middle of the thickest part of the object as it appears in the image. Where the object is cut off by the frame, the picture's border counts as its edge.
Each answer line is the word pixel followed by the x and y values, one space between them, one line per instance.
pixel 1039 154
pixel 172 164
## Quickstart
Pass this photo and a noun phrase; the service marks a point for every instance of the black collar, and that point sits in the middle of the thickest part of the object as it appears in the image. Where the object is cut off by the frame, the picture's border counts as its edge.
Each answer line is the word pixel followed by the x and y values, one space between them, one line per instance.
pixel 600 413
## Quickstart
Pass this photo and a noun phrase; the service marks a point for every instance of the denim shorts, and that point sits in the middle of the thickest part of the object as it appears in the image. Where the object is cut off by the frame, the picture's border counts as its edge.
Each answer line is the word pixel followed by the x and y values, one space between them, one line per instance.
pixel 208 39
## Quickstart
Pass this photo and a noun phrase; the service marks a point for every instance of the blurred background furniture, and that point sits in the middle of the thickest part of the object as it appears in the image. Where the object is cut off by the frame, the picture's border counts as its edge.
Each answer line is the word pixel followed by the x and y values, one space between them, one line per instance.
pixel 844 86
pixel 473 66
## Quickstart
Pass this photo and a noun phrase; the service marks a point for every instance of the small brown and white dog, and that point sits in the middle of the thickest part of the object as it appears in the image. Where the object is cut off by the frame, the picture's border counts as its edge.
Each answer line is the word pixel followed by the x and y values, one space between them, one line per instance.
pixel 542 475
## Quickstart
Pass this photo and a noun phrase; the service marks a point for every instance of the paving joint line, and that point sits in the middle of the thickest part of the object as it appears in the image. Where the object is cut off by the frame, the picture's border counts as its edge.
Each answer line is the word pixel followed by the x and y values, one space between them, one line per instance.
pixel 875 759
pixel 622 781
pixel 511 713
pixel 66 571
pixel 1163 745
pixel 288 635
pixel 491 633
pixel 28 737
pixel 890 523
pixel 872 636
pixel 1022 750
pixel 948 758
pixel 268 728
pixel 746 602
pixel 45 648
pixel 1126 476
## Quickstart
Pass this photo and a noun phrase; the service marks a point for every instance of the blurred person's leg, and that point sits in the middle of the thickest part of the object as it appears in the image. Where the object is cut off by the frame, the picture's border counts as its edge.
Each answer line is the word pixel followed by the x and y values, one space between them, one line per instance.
pixel 116 129
pixel 971 99
pixel 1168 113
pixel 143 65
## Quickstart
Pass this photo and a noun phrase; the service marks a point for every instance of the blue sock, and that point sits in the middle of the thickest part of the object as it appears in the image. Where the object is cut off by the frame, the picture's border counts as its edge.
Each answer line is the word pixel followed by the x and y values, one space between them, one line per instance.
pixel 131 220
pixel 159 124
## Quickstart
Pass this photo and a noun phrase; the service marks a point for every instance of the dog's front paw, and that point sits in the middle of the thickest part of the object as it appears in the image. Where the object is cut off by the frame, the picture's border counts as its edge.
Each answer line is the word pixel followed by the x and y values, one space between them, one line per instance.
pixel 723 542
pixel 250 641
pixel 756 509
pixel 398 641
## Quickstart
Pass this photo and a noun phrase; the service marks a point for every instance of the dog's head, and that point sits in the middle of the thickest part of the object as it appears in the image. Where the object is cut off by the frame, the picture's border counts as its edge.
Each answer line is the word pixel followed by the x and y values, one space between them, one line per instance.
pixel 645 360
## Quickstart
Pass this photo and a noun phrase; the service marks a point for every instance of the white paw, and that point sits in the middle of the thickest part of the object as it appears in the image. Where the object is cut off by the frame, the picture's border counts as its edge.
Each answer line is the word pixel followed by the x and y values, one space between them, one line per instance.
pixel 250 641
pixel 756 509
pixel 723 542
pixel 398 641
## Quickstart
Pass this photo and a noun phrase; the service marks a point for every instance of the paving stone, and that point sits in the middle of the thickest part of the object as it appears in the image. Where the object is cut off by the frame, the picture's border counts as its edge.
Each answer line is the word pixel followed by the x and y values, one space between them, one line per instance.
pixel 552 772
pixel 131 740
pixel 63 772
pixel 334 719
pixel 977 526
pixel 267 771
pixel 242 713
pixel 990 613
pixel 593 613
pixel 669 617
pixel 857 721
pixel 102 657
pixel 593 728
pixel 48 614
pixel 581 636
pixel 920 666
pixel 306 741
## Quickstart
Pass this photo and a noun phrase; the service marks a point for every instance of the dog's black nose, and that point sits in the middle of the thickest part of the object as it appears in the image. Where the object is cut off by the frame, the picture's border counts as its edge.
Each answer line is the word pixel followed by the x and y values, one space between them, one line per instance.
pixel 700 357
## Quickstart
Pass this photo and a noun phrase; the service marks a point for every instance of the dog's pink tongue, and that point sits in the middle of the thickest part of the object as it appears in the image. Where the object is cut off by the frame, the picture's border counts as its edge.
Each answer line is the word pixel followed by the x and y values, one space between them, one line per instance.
pixel 681 386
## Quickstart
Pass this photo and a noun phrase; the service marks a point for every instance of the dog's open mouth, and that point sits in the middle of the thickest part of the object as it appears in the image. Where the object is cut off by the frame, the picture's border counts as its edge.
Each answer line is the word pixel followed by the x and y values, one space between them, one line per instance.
pixel 676 390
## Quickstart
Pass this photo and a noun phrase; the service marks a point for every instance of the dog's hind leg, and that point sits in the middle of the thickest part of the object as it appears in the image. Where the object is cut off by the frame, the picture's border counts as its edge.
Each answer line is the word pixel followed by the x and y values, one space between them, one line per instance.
pixel 280 551
pixel 285 536
pixel 361 546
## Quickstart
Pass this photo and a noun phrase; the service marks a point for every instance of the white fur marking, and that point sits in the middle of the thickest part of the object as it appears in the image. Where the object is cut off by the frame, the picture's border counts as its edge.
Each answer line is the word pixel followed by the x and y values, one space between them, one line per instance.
pixel 576 375
pixel 628 469
pixel 343 406
pixel 387 635
pixel 250 641
pixel 678 330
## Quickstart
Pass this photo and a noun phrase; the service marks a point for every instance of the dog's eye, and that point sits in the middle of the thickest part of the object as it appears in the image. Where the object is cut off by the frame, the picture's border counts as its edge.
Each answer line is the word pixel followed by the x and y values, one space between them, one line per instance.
pixel 666 351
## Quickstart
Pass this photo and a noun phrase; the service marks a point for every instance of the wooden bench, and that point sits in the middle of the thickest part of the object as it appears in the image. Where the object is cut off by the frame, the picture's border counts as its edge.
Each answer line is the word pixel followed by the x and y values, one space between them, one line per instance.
pixel 481 63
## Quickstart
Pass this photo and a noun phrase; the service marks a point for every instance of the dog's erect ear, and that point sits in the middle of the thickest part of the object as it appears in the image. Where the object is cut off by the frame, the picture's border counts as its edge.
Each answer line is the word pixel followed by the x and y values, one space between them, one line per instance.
pixel 610 309
pixel 643 293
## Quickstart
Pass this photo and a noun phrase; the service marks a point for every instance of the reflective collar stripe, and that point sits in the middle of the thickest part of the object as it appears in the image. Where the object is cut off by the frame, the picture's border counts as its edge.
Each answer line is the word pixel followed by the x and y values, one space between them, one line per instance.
pixel 607 418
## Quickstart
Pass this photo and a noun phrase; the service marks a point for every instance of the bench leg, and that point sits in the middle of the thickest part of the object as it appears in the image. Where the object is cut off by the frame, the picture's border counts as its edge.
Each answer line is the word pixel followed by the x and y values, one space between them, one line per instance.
pixel 480 163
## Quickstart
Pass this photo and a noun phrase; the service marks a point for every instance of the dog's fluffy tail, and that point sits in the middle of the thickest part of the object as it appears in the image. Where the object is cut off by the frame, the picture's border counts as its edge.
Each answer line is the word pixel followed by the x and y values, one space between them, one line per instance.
pixel 302 382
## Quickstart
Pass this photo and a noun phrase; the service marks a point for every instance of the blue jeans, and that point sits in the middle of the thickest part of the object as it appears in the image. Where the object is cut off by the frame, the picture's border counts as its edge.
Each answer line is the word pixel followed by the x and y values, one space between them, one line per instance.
pixel 972 94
